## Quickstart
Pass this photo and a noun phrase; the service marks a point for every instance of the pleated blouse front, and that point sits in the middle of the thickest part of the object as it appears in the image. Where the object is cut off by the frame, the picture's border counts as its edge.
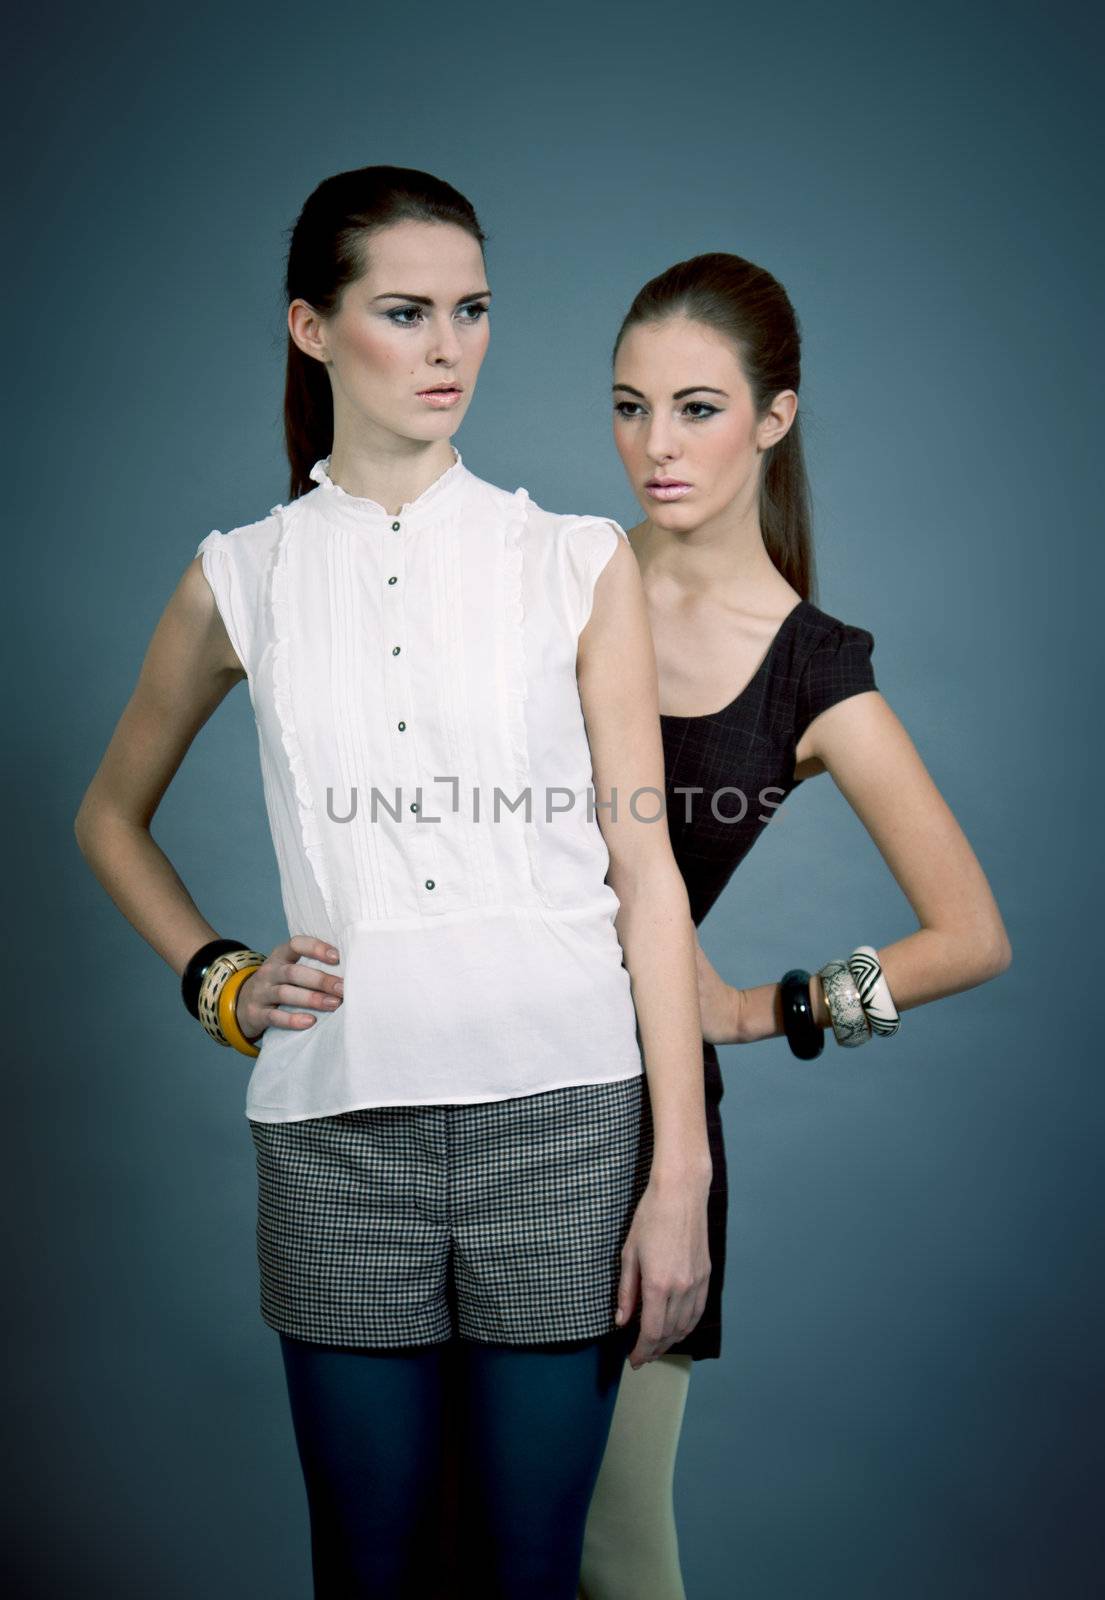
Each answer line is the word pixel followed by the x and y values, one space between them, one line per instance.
pixel 427 778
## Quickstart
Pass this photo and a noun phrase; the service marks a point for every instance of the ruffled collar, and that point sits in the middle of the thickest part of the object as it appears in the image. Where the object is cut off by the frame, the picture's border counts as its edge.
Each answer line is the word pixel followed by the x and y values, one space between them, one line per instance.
pixel 366 510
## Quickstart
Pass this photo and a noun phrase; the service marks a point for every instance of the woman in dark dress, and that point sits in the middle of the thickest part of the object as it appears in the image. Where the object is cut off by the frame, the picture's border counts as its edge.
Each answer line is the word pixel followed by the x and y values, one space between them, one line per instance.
pixel 759 691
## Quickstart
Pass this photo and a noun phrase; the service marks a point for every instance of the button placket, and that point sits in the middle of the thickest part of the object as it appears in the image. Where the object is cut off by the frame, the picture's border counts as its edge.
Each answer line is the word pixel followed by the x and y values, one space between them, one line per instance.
pixel 419 843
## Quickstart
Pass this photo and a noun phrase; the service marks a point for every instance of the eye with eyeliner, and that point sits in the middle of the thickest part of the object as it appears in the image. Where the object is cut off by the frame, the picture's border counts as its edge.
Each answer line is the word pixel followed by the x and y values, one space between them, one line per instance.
pixel 396 313
pixel 629 410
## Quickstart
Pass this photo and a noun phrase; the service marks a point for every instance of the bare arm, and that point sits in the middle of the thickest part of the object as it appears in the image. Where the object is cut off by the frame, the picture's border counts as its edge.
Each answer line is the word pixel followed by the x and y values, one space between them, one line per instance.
pixel 616 670
pixel 189 668
pixel 961 940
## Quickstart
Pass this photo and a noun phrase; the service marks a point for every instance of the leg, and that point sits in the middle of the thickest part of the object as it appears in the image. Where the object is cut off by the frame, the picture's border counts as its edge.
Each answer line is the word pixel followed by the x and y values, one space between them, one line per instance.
pixel 630 1548
pixel 367 1427
pixel 535 1423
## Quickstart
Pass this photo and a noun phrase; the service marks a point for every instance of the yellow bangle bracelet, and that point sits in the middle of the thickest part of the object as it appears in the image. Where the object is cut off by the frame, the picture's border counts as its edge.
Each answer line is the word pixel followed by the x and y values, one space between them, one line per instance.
pixel 207 1001
pixel 228 1020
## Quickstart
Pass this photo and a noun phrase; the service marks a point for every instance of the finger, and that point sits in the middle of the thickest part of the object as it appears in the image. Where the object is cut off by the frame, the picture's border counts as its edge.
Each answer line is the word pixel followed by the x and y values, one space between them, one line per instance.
pixel 684 1315
pixel 700 1302
pixel 305 944
pixel 291 994
pixel 627 1286
pixel 691 1315
pixel 310 978
pixel 289 1019
pixel 654 1323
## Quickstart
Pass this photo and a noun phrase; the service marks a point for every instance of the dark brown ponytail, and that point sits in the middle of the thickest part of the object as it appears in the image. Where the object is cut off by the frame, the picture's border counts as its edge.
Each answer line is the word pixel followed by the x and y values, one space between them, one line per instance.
pixel 751 308
pixel 326 253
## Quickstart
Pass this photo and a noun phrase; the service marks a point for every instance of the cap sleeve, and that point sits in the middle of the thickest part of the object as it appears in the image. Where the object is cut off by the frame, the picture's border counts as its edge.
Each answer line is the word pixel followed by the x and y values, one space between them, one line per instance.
pixel 839 666
pixel 589 544
pixel 216 554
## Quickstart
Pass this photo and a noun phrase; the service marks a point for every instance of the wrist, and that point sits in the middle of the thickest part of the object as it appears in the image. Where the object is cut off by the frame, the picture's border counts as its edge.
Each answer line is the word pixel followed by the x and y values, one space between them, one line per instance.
pixel 682 1170
pixel 735 1024
pixel 818 1004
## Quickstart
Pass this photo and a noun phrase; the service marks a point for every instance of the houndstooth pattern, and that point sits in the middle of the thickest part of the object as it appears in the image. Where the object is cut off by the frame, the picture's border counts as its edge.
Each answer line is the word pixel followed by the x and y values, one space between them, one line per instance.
pixel 524 1204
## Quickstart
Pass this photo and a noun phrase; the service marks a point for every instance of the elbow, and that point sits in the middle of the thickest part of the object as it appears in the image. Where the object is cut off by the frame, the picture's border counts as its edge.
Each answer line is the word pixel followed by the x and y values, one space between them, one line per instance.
pixel 89 825
pixel 990 953
pixel 1001 952
pixel 82 828
pixel 974 953
pixel 653 881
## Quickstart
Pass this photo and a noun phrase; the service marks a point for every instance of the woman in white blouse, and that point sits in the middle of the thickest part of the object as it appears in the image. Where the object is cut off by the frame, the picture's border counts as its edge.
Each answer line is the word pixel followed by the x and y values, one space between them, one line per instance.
pixel 458 1144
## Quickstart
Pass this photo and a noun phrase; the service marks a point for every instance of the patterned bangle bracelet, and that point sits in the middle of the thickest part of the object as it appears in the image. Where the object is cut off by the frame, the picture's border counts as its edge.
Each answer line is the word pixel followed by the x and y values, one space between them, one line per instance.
pixel 874 991
pixel 193 974
pixel 805 1038
pixel 212 984
pixel 850 1023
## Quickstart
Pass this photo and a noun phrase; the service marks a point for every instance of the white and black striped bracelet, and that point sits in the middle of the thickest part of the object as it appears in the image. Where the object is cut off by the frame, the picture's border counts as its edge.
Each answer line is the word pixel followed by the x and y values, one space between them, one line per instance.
pixel 874 991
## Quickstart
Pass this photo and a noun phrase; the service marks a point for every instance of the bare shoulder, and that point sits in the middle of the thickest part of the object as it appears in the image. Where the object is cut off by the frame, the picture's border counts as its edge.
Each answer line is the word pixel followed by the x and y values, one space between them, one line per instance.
pixel 193 609
pixel 860 731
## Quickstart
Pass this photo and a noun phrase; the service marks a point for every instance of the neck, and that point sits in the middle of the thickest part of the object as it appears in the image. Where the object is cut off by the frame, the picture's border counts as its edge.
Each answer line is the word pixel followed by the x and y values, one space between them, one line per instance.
pixel 725 553
pixel 392 471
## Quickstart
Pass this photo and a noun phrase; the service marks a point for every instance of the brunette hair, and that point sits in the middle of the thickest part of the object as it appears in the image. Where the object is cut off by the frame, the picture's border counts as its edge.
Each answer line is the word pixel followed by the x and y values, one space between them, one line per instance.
pixel 326 253
pixel 752 309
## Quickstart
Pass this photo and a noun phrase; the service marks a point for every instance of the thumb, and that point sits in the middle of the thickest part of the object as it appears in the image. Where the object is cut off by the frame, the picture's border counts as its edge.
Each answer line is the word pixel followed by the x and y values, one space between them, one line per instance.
pixel 627 1287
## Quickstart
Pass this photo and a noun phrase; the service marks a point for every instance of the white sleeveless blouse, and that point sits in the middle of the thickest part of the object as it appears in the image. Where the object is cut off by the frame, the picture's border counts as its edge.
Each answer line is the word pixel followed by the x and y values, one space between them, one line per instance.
pixel 402 668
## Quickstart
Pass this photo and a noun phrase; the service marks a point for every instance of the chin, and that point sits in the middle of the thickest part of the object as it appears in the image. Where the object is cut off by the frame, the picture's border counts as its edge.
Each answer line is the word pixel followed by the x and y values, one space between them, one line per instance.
pixel 439 424
pixel 674 514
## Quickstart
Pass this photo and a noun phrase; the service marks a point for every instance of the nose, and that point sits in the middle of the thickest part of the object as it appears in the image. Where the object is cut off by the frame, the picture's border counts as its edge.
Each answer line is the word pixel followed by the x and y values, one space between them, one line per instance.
pixel 445 346
pixel 660 443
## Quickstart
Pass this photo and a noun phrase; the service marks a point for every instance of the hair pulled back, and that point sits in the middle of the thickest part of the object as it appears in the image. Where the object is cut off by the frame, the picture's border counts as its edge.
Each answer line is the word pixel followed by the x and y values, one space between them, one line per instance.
pixel 751 308
pixel 326 253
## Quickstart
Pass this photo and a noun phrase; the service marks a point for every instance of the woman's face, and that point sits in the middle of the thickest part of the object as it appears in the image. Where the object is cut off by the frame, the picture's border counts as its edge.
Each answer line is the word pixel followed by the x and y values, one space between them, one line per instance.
pixel 405 344
pixel 685 425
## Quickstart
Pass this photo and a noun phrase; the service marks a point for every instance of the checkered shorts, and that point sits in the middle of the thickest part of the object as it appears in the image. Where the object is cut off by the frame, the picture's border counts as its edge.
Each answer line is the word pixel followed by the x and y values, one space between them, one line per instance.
pixel 501 1221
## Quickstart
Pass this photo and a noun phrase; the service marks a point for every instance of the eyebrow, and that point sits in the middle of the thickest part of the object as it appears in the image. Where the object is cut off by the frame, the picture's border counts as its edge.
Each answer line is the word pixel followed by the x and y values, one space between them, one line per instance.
pixel 424 300
pixel 680 394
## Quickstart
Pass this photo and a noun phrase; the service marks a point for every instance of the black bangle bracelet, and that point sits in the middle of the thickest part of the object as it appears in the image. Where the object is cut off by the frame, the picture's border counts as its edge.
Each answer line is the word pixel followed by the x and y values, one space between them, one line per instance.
pixel 805 1038
pixel 192 976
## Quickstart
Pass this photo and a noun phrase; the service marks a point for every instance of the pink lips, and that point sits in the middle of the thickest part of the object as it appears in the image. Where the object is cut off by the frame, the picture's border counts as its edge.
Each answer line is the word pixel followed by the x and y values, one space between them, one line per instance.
pixel 440 398
pixel 667 489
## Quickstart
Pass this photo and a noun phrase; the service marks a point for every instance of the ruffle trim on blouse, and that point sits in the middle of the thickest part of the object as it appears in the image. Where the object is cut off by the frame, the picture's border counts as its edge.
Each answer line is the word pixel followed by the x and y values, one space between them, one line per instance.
pixel 517 676
pixel 361 504
pixel 285 713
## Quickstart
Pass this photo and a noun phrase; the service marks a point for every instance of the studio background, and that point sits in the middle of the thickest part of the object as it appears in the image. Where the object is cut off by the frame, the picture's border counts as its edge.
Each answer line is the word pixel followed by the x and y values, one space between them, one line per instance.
pixel 909 1398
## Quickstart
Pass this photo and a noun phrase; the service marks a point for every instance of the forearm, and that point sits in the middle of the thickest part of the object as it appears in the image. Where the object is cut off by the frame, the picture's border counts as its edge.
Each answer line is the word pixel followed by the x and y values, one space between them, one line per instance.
pixel 924 966
pixel 657 937
pixel 143 883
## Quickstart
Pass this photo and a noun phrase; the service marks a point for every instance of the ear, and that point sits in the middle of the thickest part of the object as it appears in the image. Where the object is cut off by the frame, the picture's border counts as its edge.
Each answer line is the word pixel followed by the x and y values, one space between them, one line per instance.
pixel 777 420
pixel 308 330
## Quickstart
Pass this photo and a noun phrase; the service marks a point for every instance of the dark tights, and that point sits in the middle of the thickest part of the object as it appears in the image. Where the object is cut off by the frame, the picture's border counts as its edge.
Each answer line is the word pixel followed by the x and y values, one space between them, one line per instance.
pixel 524 1427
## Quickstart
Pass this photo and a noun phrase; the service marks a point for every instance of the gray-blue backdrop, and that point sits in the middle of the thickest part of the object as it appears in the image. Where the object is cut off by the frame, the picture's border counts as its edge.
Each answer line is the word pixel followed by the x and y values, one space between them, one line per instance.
pixel 909 1402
